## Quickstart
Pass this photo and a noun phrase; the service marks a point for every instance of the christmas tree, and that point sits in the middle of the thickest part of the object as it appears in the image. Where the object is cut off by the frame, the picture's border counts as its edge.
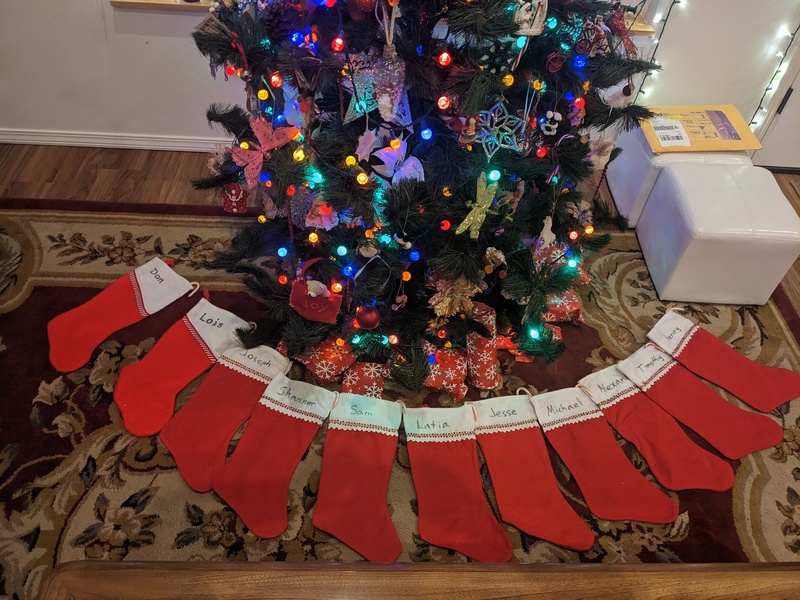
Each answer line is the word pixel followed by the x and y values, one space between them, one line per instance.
pixel 417 164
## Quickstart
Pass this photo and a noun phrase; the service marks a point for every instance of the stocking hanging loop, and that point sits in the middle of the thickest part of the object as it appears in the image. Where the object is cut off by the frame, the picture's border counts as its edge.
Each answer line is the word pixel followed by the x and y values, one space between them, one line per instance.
pixel 195 287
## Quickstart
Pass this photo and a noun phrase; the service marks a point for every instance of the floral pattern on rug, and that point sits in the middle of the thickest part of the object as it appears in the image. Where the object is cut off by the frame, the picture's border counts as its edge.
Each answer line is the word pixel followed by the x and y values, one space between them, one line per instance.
pixel 92 490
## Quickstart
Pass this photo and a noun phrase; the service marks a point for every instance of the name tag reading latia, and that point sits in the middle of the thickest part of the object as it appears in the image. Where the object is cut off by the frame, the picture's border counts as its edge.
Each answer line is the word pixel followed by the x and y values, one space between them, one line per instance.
pixel 439 424
pixel 298 399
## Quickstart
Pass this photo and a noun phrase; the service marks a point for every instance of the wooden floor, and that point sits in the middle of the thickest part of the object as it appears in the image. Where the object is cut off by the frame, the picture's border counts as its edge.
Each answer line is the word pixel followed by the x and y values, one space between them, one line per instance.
pixel 159 177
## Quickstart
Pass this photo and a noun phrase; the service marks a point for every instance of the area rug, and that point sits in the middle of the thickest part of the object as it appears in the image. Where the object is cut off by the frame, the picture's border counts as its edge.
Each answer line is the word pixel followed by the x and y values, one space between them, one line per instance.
pixel 75 485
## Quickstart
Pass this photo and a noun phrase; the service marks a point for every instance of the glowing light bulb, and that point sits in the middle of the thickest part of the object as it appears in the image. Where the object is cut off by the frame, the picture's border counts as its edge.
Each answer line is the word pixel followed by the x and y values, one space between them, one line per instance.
pixel 405 276
pixel 230 70
pixel 341 250
pixel 579 103
pixel 508 80
pixel 297 38
pixel 283 251
pixel 244 145
pixel 589 230
pixel 426 134
pixel 395 143
pixel 444 59
pixel 537 84
pixel 431 359
pixel 534 333
pixel 350 161
pixel 349 270
pixel 446 191
pixel 572 263
pixel 541 152
pixel 330 3
pixel 263 94
pixel 313 237
pixel 441 334
pixel 276 80
pixel 573 235
pixel 290 190
pixel 283 280
pixel 298 155
pixel 369 233
pixel 336 287
pixel 443 103
pixel 337 44
pixel 445 225
pixel 551 22
pixel 362 178
pixel 393 339
pixel 521 41
pixel 262 219
pixel 494 175
pixel 340 342
pixel 414 256
pixel 579 61
pixel 356 339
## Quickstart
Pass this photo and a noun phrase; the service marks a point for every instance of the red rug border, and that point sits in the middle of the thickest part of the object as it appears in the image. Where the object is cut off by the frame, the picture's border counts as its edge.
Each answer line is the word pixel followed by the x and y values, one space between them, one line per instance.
pixel 123 207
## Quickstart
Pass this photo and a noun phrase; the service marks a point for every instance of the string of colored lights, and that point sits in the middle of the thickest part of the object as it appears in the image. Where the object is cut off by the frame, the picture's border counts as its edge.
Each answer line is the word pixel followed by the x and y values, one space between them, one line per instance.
pixel 663 21
pixel 761 110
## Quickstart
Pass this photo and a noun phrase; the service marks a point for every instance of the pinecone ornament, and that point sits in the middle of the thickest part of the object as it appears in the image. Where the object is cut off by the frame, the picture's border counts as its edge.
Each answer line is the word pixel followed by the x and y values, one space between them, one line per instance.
pixel 280 18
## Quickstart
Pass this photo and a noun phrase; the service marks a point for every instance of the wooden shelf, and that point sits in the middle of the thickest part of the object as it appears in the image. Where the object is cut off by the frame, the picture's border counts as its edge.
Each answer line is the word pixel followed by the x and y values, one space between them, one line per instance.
pixel 180 5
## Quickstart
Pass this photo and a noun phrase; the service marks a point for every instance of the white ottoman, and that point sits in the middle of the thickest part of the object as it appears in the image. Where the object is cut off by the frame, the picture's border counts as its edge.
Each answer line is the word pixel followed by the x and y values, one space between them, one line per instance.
pixel 632 175
pixel 718 233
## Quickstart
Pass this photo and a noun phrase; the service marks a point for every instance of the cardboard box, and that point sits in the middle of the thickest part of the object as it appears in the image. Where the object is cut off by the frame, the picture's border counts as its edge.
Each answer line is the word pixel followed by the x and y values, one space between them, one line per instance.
pixel 698 129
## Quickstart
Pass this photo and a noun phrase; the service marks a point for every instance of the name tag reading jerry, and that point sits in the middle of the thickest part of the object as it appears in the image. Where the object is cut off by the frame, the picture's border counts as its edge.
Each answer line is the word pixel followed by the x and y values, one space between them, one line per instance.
pixel 298 399
pixel 672 332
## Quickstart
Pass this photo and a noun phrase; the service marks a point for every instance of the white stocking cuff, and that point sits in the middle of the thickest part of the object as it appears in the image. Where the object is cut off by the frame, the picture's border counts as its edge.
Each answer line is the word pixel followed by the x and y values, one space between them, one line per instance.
pixel 646 366
pixel 439 424
pixel 354 412
pixel 156 285
pixel 298 399
pixel 608 387
pixel 507 413
pixel 261 363
pixel 564 407
pixel 672 332
pixel 214 328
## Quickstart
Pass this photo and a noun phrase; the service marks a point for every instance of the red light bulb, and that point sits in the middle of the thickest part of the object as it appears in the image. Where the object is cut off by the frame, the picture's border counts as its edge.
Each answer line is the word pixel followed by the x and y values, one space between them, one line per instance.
pixel 283 280
pixel 276 80
pixel 337 44
pixel 541 152
pixel 444 59
pixel 230 70
pixel 573 235
pixel 579 102
pixel 443 102
pixel 445 225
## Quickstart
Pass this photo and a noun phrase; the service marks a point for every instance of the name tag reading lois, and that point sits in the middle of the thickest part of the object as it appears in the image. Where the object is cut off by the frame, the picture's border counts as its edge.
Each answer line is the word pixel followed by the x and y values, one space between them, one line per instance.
pixel 216 326
pixel 298 399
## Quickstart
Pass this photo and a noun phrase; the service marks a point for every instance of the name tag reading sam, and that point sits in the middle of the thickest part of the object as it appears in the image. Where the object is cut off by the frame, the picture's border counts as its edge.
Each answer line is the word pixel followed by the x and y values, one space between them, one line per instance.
pixel 298 399
pixel 645 366
pixel 564 407
pixel 354 412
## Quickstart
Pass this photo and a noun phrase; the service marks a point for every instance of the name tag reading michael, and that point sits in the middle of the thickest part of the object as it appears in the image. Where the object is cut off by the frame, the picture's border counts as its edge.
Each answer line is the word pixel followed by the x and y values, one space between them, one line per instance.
pixel 298 399
pixel 564 407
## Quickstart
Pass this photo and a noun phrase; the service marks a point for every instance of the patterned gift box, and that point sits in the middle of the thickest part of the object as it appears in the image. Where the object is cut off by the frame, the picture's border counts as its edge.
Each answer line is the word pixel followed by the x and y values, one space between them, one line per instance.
pixel 563 308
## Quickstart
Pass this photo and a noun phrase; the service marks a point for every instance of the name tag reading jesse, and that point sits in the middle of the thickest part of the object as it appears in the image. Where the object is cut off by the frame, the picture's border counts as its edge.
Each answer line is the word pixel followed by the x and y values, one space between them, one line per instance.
pixel 507 413
pixel 645 366
pixel 298 399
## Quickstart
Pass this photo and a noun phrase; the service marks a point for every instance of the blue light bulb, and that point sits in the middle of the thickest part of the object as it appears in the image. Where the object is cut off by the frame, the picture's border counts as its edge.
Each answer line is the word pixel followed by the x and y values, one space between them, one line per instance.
pixel 572 263
pixel 494 174
pixel 297 38
pixel 432 359
pixel 426 134
pixel 414 256
pixel 521 41
pixel 569 96
pixel 579 61
pixel 341 250
pixel 534 333
pixel 264 177
pixel 283 251
pixel 316 177
pixel 349 270
pixel 279 119
pixel 385 340
pixel 551 22
pixel 356 339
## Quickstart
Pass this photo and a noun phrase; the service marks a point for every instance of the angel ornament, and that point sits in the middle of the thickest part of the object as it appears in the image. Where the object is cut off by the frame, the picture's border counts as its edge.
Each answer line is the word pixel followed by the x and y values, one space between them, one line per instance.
pixel 480 208
pixel 530 16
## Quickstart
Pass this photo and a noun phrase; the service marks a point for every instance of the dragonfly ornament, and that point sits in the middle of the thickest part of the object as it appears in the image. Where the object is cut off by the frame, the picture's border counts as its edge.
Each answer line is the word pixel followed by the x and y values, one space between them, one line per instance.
pixel 480 208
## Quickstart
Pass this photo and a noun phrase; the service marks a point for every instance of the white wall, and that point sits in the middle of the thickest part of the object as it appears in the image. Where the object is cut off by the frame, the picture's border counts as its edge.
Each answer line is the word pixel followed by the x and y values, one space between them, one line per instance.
pixel 718 51
pixel 79 72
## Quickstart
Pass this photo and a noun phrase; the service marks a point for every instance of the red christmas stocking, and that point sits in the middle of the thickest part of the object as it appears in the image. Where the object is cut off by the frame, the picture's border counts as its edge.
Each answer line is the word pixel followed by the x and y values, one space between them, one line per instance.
pixel 146 290
pixel 731 430
pixel 762 387
pixel 675 460
pixel 523 479
pixel 613 488
pixel 356 464
pixel 146 390
pixel 453 512
pixel 255 480
pixel 199 433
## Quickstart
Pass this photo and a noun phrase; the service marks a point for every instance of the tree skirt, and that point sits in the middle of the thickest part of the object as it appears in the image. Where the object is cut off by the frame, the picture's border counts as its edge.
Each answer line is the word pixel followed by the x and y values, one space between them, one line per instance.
pixel 75 485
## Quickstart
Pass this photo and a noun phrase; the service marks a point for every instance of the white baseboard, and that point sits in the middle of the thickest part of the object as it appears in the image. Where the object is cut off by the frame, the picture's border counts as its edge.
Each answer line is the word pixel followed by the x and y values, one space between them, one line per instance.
pixel 110 140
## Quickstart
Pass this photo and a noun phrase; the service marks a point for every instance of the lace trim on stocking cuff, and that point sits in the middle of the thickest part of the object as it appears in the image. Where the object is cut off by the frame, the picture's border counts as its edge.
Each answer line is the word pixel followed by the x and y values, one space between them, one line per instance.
pixel 503 428
pixel 365 427
pixel 200 341
pixel 617 398
pixel 572 419
pixel 687 337
pixel 290 411
pixel 137 294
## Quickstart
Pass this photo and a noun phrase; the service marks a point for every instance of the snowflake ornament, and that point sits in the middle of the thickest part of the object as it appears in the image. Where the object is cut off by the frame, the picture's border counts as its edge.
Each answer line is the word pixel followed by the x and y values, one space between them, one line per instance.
pixel 497 129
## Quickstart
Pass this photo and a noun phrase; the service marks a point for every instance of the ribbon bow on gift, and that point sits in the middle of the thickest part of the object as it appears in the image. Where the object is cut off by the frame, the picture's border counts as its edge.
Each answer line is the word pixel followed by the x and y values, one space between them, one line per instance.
pixel 268 139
